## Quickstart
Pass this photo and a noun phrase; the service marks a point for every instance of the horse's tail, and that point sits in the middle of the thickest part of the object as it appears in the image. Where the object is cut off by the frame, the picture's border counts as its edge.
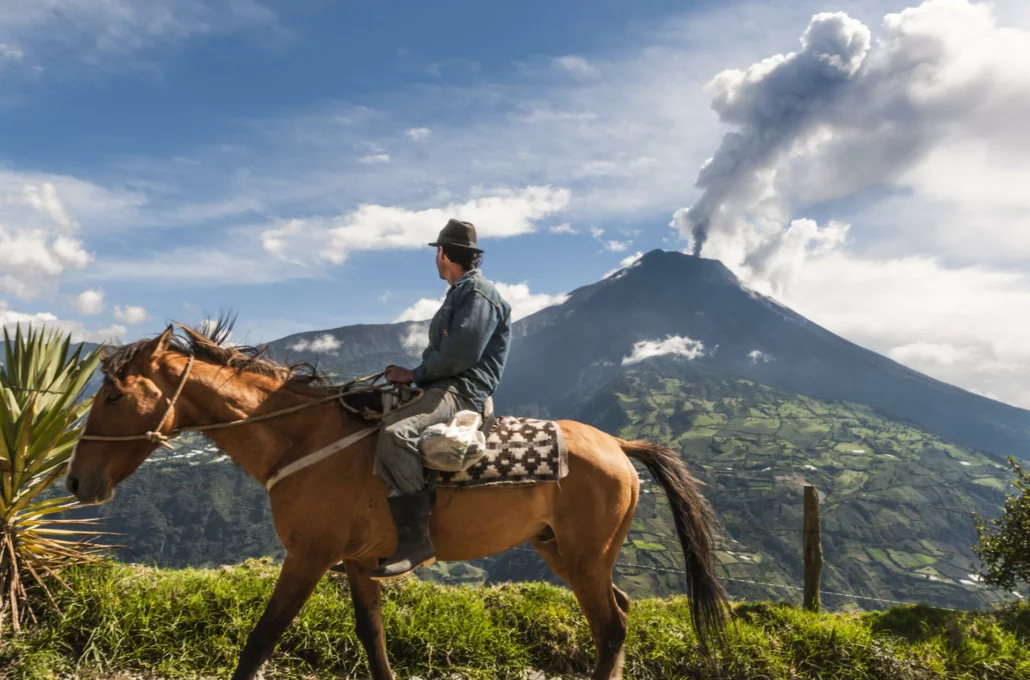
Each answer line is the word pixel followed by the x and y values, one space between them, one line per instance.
pixel 694 519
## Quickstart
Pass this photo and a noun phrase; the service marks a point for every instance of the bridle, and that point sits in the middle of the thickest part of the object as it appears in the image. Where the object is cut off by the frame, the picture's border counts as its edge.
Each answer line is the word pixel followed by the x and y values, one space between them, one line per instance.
pixel 366 384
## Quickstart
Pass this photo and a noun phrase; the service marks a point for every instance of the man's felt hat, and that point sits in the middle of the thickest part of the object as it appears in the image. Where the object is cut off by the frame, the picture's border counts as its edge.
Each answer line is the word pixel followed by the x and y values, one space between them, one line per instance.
pixel 455 233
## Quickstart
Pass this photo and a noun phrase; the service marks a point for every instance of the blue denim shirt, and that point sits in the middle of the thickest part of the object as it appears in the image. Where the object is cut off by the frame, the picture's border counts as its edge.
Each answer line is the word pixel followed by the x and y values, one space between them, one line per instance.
pixel 468 340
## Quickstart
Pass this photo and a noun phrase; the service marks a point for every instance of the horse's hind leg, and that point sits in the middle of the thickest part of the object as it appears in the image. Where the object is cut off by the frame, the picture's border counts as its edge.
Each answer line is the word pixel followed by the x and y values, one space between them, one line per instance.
pixel 622 599
pixel 297 579
pixel 368 619
pixel 589 573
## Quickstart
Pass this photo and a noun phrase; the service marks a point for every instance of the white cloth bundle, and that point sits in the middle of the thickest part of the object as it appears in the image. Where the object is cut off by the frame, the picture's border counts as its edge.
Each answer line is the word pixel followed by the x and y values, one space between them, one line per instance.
pixel 454 446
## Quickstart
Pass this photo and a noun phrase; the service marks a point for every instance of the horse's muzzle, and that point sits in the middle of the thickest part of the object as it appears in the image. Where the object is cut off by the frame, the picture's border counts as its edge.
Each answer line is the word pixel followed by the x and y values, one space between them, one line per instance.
pixel 97 492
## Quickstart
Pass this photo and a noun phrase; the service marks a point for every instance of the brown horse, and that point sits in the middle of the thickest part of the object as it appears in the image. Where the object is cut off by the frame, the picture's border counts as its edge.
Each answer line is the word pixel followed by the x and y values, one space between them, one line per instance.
pixel 335 511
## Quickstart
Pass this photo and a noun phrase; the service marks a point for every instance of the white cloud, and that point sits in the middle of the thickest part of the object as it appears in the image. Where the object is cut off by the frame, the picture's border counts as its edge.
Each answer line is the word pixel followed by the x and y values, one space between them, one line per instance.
pixel 925 353
pixel 769 256
pixel 376 158
pixel 500 214
pixel 517 295
pixel 617 246
pixel 673 345
pixel 419 134
pixel 423 309
pixel 577 66
pixel 596 232
pixel 44 199
pixel 323 343
pixel 563 228
pixel 120 27
pixel 957 324
pixel 90 302
pixel 33 259
pixel 757 356
pixel 628 261
pixel 130 314
pixel 36 200
pixel 415 338
pixel 10 319
pixel 10 53
pixel 523 303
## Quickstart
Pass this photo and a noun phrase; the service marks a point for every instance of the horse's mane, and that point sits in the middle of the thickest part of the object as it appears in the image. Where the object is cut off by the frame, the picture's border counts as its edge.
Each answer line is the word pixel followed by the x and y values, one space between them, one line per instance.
pixel 210 343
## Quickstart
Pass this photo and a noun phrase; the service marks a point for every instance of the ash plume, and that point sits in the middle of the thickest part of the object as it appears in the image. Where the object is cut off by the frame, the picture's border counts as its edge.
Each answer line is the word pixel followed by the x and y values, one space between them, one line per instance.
pixel 773 104
pixel 943 85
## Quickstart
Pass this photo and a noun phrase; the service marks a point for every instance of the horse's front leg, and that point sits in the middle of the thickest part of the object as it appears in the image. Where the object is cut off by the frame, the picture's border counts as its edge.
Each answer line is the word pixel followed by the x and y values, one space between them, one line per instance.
pixel 365 593
pixel 299 575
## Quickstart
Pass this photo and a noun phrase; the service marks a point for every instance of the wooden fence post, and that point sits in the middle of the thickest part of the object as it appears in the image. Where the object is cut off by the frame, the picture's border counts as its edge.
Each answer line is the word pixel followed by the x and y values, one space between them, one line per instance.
pixel 813 549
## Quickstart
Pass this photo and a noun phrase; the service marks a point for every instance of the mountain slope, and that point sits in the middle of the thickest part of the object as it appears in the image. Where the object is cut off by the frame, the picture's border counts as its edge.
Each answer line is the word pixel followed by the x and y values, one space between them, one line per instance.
pixel 563 354
pixel 895 500
pixel 353 351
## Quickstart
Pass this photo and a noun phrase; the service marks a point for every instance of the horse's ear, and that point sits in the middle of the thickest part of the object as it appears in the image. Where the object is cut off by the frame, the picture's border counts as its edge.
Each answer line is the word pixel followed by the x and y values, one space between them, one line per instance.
pixel 159 344
pixel 198 338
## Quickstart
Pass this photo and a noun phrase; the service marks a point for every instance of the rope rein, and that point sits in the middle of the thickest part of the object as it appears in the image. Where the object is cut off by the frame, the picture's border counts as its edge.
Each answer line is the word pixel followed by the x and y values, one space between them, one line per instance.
pixel 366 384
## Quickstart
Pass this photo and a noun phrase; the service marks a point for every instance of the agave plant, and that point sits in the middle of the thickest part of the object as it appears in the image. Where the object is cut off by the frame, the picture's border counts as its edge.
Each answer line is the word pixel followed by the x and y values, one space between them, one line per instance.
pixel 42 381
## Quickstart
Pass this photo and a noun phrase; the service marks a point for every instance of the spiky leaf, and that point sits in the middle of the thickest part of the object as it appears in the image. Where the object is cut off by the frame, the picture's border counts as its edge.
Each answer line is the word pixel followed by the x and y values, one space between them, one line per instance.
pixel 42 381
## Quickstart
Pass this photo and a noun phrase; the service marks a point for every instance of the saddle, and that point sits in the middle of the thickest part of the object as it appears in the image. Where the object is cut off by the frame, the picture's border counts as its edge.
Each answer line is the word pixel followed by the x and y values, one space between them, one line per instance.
pixel 372 406
pixel 520 451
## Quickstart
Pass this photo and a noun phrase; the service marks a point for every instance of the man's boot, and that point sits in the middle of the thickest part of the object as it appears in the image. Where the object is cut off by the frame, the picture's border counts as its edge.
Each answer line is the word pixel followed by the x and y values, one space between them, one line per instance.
pixel 411 517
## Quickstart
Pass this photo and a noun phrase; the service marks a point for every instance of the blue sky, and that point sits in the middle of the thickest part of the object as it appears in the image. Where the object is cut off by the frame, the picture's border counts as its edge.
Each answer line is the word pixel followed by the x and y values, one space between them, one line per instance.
pixel 169 159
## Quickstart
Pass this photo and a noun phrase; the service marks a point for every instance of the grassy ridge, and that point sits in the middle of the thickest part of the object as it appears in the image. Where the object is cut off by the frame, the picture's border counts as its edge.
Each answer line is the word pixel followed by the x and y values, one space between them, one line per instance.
pixel 192 623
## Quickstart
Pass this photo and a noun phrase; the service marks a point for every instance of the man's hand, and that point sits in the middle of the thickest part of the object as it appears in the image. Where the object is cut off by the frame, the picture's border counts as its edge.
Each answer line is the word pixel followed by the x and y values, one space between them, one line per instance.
pixel 396 374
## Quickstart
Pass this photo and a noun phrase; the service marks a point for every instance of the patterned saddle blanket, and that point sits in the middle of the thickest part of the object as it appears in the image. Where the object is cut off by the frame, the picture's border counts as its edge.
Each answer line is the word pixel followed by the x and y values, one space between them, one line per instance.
pixel 520 452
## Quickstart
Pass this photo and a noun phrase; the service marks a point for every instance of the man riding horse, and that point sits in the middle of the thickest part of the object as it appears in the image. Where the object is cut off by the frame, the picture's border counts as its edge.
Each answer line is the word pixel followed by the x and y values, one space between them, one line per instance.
pixel 460 369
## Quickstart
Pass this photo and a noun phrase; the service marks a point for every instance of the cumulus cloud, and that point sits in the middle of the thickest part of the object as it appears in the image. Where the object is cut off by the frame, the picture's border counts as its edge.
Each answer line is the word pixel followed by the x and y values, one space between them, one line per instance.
pixel 523 303
pixel 376 158
pixel 415 338
pixel 10 319
pixel 419 134
pixel 628 261
pixel 130 314
pixel 563 228
pixel 44 198
pixel 31 259
pixel 500 214
pixel 323 343
pixel 90 302
pixel 617 246
pixel 422 310
pixel 961 325
pixel 517 295
pixel 673 345
pixel 757 356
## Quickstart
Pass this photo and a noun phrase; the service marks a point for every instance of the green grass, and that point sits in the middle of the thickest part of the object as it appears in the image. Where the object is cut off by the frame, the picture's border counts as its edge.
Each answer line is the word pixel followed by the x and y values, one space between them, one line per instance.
pixel 191 623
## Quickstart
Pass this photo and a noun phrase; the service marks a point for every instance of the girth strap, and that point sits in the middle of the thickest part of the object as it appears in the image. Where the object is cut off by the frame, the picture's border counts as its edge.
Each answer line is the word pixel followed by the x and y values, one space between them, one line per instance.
pixel 319 455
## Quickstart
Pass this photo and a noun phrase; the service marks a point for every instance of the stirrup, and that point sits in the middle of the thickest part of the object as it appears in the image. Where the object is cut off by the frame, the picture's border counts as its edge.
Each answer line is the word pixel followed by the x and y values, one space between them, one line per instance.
pixel 390 577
